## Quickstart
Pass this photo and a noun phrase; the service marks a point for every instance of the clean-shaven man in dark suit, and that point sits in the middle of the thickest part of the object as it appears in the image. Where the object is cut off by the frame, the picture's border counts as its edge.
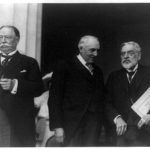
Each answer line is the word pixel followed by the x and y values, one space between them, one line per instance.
pixel 124 87
pixel 76 97
pixel 20 82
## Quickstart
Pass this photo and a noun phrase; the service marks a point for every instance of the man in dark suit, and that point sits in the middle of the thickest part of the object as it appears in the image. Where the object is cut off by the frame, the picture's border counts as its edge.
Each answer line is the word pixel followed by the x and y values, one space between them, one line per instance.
pixel 20 82
pixel 76 97
pixel 124 87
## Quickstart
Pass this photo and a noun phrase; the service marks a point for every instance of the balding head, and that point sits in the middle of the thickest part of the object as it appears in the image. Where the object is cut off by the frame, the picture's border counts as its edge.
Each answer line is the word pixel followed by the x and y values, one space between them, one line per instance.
pixel 16 31
pixel 9 38
pixel 88 40
pixel 88 47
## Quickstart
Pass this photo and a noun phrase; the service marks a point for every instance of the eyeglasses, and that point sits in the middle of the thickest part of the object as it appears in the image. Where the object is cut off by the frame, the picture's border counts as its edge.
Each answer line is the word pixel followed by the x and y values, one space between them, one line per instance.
pixel 128 53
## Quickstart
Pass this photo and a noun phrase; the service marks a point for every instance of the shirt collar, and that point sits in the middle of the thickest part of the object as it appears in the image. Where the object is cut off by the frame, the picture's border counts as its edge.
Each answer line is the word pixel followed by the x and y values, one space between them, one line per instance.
pixel 10 54
pixel 81 59
pixel 135 68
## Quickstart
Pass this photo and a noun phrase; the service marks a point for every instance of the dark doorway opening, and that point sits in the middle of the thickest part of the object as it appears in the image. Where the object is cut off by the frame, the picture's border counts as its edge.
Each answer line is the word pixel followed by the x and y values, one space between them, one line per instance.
pixel 64 24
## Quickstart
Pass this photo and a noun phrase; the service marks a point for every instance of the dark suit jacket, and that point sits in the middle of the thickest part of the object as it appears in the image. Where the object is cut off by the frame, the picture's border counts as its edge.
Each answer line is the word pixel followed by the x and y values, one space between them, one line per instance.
pixel 118 95
pixel 74 91
pixel 19 107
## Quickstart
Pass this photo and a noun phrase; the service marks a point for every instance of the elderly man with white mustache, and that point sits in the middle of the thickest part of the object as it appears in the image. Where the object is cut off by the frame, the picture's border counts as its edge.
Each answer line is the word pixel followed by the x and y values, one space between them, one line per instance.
pixel 20 82
pixel 124 87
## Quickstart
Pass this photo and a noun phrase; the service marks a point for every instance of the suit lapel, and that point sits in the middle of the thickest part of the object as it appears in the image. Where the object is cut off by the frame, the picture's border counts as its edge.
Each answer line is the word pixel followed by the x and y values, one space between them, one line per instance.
pixel 123 81
pixel 82 69
pixel 138 78
pixel 13 63
pixel 139 83
pixel 136 81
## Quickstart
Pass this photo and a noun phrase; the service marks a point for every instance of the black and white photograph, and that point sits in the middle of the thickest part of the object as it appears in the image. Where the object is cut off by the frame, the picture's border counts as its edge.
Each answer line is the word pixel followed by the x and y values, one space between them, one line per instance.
pixel 75 74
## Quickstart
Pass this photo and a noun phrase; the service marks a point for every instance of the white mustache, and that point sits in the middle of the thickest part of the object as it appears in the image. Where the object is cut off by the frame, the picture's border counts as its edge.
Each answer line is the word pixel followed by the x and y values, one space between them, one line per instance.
pixel 4 45
pixel 126 60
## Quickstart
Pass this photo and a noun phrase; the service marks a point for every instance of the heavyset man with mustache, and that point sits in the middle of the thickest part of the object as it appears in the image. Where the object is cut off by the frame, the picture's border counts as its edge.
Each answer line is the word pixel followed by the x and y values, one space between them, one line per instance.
pixel 20 82
pixel 124 87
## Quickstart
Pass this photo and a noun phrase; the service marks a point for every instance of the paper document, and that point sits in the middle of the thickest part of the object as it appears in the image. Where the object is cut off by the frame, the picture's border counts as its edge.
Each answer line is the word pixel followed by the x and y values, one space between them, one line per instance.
pixel 142 105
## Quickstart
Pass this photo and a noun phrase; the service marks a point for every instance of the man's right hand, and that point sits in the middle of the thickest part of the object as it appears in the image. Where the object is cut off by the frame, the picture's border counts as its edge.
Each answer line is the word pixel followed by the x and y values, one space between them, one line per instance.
pixel 121 126
pixel 59 134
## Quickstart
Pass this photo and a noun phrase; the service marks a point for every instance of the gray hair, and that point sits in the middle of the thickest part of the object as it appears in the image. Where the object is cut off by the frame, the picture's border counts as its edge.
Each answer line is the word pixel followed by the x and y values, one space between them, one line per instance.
pixel 16 31
pixel 134 44
pixel 84 40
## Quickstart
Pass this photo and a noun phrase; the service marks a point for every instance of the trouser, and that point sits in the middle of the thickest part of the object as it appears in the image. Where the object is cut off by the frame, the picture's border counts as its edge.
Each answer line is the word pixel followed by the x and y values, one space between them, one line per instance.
pixel 5 129
pixel 135 138
pixel 88 131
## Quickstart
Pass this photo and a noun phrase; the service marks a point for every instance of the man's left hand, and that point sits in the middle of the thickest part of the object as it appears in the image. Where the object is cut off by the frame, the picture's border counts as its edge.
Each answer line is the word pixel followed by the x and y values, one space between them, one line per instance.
pixel 7 84
pixel 144 120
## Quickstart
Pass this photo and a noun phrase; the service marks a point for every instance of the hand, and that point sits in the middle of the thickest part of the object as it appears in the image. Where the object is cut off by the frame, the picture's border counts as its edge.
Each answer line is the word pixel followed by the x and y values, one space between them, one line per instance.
pixel 121 126
pixel 59 134
pixel 7 84
pixel 144 120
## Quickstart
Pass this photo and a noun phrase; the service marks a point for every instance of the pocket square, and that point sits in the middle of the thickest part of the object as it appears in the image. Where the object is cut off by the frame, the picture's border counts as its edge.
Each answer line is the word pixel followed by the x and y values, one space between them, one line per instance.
pixel 22 71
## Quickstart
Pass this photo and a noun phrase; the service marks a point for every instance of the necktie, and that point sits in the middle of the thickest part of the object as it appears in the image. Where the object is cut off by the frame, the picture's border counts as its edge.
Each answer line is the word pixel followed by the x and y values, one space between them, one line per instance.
pixel 5 61
pixel 90 66
pixel 130 74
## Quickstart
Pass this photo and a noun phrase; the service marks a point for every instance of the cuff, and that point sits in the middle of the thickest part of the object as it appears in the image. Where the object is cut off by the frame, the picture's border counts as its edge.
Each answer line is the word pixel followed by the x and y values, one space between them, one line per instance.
pixel 115 120
pixel 14 90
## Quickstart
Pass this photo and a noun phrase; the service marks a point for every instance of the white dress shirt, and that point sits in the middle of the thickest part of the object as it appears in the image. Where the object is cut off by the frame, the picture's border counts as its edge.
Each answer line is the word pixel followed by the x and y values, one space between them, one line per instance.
pixel 83 62
pixel 135 69
pixel 14 90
